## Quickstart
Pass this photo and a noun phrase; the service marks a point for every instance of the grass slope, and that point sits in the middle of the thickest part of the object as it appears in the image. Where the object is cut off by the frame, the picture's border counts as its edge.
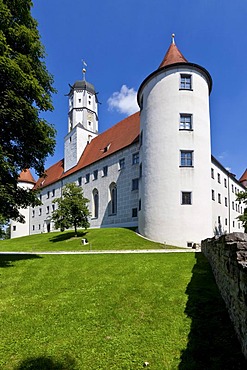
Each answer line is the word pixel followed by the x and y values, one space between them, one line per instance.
pixel 99 239
pixel 113 312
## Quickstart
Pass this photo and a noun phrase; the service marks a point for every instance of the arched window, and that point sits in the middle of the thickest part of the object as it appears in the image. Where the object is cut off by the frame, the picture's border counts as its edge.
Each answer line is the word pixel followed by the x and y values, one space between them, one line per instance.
pixel 113 199
pixel 95 210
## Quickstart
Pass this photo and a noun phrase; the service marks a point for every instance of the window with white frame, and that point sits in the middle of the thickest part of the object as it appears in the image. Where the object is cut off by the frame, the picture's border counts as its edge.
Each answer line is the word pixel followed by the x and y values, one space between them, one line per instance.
pixel 213 194
pixel 186 197
pixel 185 121
pixel 134 212
pixel 105 171
pixel 212 173
pixel 135 158
pixel 186 158
pixel 185 82
pixel 218 176
pixel 226 201
pixel 87 178
pixel 121 163
pixel 219 198
pixel 95 174
pixel 113 199
pixel 135 184
pixel 95 203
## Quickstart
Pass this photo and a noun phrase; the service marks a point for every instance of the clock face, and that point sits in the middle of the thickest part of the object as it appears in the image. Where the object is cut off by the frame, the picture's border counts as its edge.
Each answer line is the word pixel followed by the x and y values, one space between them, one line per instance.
pixel 90 117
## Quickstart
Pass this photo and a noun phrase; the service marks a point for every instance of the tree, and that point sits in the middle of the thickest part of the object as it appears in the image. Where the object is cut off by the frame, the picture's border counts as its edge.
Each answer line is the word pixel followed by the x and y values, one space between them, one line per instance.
pixel 242 197
pixel 25 91
pixel 72 209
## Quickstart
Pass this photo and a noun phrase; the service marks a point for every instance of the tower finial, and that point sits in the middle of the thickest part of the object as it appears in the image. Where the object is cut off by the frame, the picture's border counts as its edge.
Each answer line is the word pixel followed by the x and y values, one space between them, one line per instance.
pixel 84 69
pixel 173 38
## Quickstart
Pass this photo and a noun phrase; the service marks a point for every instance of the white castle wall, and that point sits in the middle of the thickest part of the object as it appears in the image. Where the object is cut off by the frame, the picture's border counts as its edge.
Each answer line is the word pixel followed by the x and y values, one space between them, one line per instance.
pixel 225 208
pixel 127 199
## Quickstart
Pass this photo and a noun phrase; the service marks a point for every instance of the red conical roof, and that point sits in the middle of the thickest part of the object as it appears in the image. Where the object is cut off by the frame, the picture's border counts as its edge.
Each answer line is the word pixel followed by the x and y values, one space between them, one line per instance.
pixel 173 55
pixel 26 176
pixel 244 176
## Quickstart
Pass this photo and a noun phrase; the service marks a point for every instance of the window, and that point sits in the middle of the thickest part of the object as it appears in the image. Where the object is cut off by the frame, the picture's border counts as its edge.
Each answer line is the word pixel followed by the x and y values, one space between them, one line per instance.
pixel 218 176
pixel 39 226
pixel 47 209
pixel 186 159
pixel 134 212
pixel 233 223
pixel 225 183
pixel 33 213
pixel 140 170
pixel 79 100
pixel 213 195
pixel 219 222
pixel 212 173
pixel 185 82
pixel 40 211
pixel 135 158
pixel 185 122
pixel 121 163
pixel 53 207
pixel 226 201
pixel 219 198
pixel 95 203
pixel 232 188
pixel 48 195
pixel 140 204
pixel 40 197
pixel 14 228
pixel 226 221
pixel 141 138
pixel 95 174
pixel 105 171
pixel 186 197
pixel 233 205
pixel 135 184
pixel 113 199
pixel 53 192
pixel 33 227
pixel 79 181
pixel 87 178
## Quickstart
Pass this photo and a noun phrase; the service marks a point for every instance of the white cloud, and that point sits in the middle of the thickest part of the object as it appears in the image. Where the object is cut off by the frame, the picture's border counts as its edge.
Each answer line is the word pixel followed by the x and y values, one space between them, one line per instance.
pixel 123 101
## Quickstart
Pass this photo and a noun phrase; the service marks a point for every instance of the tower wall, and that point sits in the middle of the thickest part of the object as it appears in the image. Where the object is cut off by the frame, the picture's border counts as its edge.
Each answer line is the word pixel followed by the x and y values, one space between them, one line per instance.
pixel 162 217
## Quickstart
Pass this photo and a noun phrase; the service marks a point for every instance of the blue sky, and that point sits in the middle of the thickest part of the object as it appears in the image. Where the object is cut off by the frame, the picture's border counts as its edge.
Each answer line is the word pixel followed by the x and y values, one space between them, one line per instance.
pixel 123 41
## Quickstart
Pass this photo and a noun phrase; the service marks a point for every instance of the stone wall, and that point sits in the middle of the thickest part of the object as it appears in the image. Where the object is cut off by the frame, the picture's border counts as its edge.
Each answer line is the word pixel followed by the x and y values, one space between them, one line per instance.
pixel 228 258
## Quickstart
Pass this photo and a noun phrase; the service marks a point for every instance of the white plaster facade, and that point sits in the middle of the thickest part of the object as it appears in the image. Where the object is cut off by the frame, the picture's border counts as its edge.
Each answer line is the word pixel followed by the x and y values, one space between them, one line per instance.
pixel 162 183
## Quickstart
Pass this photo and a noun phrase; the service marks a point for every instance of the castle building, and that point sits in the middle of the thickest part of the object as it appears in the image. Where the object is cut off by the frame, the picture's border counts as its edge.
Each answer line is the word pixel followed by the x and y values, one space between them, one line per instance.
pixel 153 170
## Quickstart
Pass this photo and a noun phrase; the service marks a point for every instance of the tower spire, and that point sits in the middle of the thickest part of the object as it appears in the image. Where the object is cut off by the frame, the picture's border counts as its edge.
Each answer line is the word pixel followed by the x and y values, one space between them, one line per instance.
pixel 84 69
pixel 173 38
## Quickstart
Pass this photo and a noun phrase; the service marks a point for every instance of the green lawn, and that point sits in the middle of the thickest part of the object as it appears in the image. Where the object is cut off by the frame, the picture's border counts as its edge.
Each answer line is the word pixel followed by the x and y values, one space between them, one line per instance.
pixel 113 312
pixel 99 239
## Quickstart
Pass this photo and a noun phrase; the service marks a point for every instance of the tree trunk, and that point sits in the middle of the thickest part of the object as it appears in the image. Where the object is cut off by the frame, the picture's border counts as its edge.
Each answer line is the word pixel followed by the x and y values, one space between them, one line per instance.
pixel 75 229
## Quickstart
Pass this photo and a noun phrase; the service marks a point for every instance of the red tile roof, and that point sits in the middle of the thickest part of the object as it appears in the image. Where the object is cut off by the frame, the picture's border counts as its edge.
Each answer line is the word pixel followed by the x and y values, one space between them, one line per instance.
pixel 173 55
pixel 244 176
pixel 121 135
pixel 26 176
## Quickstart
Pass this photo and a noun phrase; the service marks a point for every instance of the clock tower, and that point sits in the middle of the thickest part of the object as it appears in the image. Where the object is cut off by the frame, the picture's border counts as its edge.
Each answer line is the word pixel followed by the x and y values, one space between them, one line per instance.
pixel 82 121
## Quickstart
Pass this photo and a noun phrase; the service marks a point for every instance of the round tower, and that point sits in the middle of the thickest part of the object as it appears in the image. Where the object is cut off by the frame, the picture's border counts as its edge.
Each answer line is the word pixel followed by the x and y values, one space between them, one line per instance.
pixel 17 229
pixel 175 152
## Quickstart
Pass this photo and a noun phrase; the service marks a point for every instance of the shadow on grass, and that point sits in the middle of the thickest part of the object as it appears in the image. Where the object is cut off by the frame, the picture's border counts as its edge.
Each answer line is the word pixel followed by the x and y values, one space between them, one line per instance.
pixel 66 235
pixel 47 363
pixel 7 260
pixel 212 342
